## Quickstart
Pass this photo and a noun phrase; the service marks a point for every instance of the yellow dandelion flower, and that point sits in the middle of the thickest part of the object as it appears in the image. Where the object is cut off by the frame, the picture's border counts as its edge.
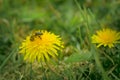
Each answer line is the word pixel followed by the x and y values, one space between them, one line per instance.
pixel 41 46
pixel 106 37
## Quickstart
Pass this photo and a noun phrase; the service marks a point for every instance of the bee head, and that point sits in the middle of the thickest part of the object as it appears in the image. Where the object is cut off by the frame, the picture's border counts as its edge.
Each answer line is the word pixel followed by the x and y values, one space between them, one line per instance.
pixel 38 33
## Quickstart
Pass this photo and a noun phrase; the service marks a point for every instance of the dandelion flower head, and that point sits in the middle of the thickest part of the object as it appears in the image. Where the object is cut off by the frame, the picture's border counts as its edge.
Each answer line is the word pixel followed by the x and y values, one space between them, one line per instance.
pixel 106 37
pixel 41 45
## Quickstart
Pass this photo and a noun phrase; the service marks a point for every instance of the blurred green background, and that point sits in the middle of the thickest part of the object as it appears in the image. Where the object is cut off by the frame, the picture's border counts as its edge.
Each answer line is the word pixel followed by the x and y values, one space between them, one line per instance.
pixel 66 18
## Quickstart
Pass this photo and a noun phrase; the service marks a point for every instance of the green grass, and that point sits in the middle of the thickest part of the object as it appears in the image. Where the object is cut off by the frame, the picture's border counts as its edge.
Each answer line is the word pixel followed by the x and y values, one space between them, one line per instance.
pixel 75 21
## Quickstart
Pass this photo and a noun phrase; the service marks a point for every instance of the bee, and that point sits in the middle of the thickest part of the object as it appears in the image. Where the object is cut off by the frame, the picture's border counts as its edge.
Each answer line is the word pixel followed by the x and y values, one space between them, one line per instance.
pixel 36 34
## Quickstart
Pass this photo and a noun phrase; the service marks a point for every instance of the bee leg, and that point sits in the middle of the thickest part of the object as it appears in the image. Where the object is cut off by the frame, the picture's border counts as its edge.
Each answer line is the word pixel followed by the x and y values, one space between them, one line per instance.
pixel 39 37
pixel 31 39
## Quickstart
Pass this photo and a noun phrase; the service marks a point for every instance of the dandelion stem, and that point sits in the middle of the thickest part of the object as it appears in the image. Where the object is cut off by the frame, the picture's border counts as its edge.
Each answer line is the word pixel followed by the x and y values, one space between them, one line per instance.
pixel 52 69
pixel 98 63
pixel 31 72
pixel 44 77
